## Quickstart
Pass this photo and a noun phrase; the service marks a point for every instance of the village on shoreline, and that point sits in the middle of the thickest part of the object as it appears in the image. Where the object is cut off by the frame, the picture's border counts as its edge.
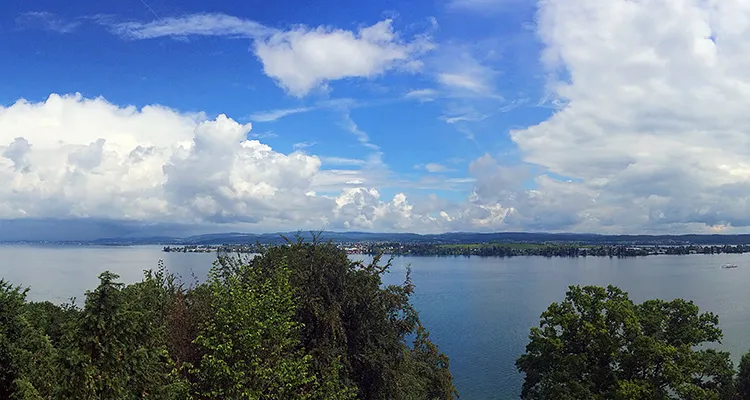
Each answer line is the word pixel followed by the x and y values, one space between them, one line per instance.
pixel 488 249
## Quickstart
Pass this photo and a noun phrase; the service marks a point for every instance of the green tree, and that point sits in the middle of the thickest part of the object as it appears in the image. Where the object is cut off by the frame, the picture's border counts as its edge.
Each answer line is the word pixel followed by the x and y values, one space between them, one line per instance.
pixel 50 319
pixel 356 329
pixel 299 321
pixel 598 344
pixel 116 349
pixel 743 378
pixel 251 346
pixel 27 369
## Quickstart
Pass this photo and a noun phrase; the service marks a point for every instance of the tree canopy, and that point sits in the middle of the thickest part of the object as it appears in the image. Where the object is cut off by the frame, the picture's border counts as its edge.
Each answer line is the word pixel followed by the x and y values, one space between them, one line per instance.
pixel 298 321
pixel 598 344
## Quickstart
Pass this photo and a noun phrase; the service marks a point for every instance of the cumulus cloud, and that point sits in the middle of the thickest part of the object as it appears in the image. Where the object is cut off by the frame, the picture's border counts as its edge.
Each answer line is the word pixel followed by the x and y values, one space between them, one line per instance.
pixel 304 58
pixel 650 134
pixel 652 124
pixel 70 157
pixel 76 157
pixel 362 209
pixel 299 59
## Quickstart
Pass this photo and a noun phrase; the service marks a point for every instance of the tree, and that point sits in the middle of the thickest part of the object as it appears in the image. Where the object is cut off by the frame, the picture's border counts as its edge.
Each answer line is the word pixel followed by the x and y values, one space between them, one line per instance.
pixel 743 378
pixel 251 346
pixel 355 329
pixel 297 321
pixel 116 348
pixel 598 344
pixel 27 369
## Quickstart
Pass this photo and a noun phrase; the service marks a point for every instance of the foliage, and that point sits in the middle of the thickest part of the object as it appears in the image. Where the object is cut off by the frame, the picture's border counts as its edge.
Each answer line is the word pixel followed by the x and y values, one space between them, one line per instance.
pixel 116 346
pixel 251 346
pixel 743 378
pixel 26 368
pixel 598 344
pixel 299 321
pixel 547 249
pixel 357 329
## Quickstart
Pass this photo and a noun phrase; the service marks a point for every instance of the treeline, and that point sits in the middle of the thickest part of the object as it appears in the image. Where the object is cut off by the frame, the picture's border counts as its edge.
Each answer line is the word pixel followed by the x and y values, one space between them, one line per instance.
pixel 222 249
pixel 545 250
pixel 599 344
pixel 298 321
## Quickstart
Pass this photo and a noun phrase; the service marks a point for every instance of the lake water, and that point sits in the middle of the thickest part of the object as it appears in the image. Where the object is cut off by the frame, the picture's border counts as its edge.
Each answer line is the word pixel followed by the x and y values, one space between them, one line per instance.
pixel 479 310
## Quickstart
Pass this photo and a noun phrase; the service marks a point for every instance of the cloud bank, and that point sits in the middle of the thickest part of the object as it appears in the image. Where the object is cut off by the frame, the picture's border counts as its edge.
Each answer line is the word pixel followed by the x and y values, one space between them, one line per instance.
pixel 653 123
pixel 70 157
pixel 650 134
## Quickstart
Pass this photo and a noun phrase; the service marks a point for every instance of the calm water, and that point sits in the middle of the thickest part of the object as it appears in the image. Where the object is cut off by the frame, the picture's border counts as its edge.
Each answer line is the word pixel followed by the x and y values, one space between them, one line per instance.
pixel 478 310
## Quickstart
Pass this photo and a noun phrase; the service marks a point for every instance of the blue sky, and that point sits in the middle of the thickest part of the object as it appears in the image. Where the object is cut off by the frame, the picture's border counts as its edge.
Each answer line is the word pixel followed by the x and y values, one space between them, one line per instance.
pixel 399 116
pixel 221 75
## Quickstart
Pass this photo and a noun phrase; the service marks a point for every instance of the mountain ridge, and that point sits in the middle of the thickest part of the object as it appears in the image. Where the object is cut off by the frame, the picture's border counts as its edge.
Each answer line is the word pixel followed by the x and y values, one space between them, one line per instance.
pixel 446 238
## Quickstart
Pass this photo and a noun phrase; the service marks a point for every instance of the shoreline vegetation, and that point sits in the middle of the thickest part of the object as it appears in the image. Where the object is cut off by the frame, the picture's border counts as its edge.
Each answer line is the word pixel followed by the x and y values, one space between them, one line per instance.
pixel 490 249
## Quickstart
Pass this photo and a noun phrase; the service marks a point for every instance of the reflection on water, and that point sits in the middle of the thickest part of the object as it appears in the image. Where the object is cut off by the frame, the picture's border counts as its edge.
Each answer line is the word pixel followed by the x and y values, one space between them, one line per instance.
pixel 478 310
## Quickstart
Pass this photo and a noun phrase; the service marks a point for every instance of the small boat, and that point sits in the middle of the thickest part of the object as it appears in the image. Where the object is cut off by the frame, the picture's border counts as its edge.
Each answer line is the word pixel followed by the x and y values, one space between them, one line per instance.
pixel 729 266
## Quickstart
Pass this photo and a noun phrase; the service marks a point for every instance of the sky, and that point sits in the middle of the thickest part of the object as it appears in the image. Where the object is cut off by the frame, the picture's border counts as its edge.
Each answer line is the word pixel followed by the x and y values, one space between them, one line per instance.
pixel 426 116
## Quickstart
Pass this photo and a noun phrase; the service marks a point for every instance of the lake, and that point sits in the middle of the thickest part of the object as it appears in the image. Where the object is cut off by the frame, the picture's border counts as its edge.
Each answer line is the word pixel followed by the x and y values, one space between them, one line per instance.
pixel 479 310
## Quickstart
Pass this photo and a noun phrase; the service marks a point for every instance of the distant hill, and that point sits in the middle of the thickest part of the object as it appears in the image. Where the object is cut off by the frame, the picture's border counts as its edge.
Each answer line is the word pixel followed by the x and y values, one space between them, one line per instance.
pixel 447 238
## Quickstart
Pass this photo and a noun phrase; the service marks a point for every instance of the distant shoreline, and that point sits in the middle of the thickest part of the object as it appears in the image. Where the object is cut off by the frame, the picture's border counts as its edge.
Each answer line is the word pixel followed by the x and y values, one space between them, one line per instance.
pixel 492 249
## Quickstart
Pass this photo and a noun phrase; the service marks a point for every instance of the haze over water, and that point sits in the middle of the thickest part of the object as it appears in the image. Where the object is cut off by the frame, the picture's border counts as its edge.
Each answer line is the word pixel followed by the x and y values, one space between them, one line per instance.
pixel 479 310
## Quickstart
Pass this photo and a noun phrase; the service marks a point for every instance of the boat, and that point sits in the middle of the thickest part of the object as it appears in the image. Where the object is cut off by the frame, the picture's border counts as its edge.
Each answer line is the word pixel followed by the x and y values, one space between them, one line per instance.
pixel 729 266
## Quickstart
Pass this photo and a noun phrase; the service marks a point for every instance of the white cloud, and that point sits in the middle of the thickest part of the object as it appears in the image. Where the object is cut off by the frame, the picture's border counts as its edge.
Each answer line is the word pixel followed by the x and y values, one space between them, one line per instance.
pixel 464 118
pixel 362 136
pixel 303 145
pixel 273 115
pixel 652 124
pixel 341 161
pixel 456 114
pixel 76 157
pixel 461 180
pixel 362 209
pixel 465 77
pixel 433 167
pixel 262 135
pixel 650 134
pixel 423 95
pixel 190 25
pixel 463 81
pixel 72 157
pixel 46 21
pixel 463 74
pixel 303 58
